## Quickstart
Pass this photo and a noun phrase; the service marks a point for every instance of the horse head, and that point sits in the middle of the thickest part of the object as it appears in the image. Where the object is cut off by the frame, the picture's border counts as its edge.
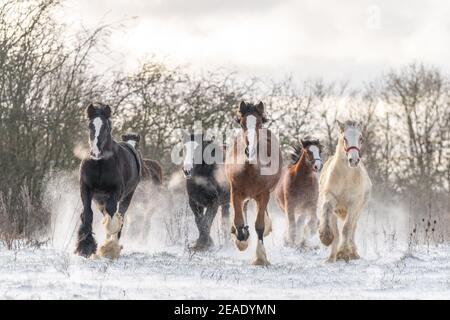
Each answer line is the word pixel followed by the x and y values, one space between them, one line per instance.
pixel 313 149
pixel 100 128
pixel 132 139
pixel 251 117
pixel 350 133
pixel 195 145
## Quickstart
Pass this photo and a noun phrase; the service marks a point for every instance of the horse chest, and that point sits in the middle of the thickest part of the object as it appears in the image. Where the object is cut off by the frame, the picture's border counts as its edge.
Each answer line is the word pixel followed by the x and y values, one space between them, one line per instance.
pixel 102 177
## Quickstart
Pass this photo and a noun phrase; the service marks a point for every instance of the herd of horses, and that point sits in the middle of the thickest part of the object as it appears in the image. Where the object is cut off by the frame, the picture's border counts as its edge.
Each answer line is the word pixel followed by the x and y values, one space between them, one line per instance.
pixel 250 168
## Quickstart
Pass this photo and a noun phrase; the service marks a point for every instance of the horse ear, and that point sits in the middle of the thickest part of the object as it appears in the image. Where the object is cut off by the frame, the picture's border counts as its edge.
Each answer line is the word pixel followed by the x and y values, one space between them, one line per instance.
pixel 90 111
pixel 107 111
pixel 260 107
pixel 341 126
pixel 243 107
pixel 303 142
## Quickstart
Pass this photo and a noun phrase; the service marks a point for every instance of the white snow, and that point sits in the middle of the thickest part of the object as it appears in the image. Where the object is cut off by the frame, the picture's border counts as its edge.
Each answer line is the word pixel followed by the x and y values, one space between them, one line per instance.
pixel 156 263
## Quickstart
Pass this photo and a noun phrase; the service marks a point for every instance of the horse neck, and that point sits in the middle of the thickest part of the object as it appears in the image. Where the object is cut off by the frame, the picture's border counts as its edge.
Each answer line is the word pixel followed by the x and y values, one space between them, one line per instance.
pixel 302 166
pixel 110 145
pixel 340 152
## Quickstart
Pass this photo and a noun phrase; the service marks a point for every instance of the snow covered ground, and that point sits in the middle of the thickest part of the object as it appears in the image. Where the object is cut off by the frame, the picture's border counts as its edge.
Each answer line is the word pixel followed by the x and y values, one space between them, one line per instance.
pixel 172 274
pixel 156 263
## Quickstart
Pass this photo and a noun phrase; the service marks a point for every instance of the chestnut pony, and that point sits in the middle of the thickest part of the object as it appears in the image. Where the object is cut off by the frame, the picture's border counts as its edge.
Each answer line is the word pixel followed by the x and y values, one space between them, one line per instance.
pixel 253 168
pixel 298 190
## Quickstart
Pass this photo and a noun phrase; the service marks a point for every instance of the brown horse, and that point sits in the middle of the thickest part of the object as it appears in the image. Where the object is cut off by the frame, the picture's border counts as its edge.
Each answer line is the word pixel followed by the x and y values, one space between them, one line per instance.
pixel 253 168
pixel 298 190
pixel 152 170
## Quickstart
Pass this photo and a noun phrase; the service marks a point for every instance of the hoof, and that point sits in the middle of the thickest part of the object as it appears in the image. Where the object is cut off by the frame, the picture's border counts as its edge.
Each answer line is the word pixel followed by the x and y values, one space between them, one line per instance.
pixel 331 259
pixel 261 262
pixel 354 255
pixel 306 245
pixel 86 247
pixel 241 245
pixel 326 235
pixel 344 254
pixel 202 245
pixel 110 249
pixel 289 243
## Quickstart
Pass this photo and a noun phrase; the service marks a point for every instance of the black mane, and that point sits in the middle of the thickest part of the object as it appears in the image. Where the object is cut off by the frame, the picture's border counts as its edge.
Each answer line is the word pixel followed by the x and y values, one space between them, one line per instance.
pixel 296 151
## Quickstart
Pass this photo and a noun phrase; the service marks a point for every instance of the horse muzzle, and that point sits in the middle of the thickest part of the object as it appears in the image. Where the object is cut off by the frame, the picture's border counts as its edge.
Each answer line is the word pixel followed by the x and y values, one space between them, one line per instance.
pixel 354 160
pixel 353 156
pixel 187 173
pixel 250 153
pixel 317 166
pixel 95 155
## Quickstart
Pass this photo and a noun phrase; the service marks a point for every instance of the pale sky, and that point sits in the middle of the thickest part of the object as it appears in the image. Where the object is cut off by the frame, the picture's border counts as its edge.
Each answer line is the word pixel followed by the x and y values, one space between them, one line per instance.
pixel 352 40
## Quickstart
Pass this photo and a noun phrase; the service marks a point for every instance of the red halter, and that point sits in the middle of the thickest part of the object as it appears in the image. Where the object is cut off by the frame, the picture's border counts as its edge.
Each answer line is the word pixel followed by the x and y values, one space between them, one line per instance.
pixel 350 148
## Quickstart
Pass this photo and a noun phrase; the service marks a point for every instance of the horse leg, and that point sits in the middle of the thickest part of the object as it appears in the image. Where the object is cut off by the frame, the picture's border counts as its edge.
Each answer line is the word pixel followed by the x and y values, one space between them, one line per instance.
pixel 335 242
pixel 300 225
pixel 225 209
pixel 346 249
pixel 311 226
pixel 123 207
pixel 208 219
pixel 112 223
pixel 199 221
pixel 86 244
pixel 354 250
pixel 261 257
pixel 239 229
pixel 267 223
pixel 327 212
pixel 291 228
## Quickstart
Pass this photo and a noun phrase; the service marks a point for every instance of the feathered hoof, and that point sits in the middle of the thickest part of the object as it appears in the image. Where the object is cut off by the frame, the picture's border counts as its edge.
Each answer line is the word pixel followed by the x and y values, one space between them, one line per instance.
pixel 86 247
pixel 110 249
pixel 260 262
pixel 331 259
pixel 344 254
pixel 326 235
pixel 202 245
pixel 289 243
pixel 354 255
pixel 241 245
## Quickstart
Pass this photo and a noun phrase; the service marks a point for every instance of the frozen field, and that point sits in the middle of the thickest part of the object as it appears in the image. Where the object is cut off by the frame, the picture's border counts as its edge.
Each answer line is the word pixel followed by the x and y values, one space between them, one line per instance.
pixel 156 263
pixel 172 274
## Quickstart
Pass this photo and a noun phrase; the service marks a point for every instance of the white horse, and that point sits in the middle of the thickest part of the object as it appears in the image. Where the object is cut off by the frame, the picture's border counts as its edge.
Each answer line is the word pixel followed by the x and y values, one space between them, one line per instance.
pixel 344 190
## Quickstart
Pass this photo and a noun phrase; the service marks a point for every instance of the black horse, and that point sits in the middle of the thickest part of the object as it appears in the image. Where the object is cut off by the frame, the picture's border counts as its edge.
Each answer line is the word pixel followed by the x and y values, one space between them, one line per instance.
pixel 206 186
pixel 151 169
pixel 109 176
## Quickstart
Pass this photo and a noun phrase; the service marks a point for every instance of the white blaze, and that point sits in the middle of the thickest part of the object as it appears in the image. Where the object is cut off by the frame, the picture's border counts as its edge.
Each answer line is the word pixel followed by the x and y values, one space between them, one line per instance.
pixel 189 158
pixel 352 135
pixel 98 123
pixel 251 136
pixel 316 155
